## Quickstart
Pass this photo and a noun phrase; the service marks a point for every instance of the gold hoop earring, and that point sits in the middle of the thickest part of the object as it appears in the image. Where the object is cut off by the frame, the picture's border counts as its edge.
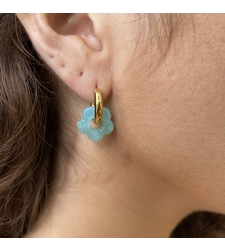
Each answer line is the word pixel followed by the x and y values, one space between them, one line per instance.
pixel 98 105
pixel 99 114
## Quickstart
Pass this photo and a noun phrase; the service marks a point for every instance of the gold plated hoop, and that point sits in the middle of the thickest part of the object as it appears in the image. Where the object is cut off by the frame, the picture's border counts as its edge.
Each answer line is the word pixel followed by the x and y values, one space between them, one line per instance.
pixel 95 114
pixel 98 105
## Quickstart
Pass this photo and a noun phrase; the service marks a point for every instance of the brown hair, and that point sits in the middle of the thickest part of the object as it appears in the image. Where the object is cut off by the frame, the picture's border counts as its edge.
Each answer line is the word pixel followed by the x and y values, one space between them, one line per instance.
pixel 201 225
pixel 28 139
pixel 27 129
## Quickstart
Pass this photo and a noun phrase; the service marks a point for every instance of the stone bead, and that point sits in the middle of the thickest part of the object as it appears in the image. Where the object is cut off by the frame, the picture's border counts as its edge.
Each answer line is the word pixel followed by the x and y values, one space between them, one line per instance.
pixel 84 126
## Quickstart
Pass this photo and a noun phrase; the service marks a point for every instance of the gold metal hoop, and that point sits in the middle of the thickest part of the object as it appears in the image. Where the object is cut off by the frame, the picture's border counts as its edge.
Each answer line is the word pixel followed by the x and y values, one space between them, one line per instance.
pixel 98 105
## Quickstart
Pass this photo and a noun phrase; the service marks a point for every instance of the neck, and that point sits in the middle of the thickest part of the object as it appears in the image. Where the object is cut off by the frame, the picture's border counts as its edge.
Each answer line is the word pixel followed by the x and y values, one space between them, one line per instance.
pixel 117 198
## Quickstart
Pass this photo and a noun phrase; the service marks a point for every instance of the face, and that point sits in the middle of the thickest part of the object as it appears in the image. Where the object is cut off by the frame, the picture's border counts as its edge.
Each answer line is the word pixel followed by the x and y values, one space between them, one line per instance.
pixel 169 98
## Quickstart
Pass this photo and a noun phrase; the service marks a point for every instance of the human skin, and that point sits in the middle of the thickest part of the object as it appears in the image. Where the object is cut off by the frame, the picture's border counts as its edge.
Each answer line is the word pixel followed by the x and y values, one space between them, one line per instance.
pixel 164 84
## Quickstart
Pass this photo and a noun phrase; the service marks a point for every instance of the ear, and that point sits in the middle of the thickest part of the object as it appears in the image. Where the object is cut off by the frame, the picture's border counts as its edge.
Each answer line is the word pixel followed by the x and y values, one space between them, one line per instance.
pixel 75 47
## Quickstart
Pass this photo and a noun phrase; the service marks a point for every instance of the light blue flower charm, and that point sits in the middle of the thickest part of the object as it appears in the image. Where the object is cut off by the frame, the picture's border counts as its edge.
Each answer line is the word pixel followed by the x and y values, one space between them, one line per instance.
pixel 95 134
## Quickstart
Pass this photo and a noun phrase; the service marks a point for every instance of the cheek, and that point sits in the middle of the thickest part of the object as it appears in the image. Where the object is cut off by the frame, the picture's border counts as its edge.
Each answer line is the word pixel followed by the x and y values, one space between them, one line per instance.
pixel 170 111
pixel 174 122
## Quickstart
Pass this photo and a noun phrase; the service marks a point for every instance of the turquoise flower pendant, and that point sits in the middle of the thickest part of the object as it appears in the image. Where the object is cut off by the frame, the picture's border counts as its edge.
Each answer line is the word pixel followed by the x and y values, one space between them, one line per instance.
pixel 84 126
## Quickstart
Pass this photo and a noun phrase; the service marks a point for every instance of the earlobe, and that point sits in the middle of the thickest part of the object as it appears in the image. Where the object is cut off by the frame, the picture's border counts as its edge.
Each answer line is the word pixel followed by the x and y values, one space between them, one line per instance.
pixel 69 45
